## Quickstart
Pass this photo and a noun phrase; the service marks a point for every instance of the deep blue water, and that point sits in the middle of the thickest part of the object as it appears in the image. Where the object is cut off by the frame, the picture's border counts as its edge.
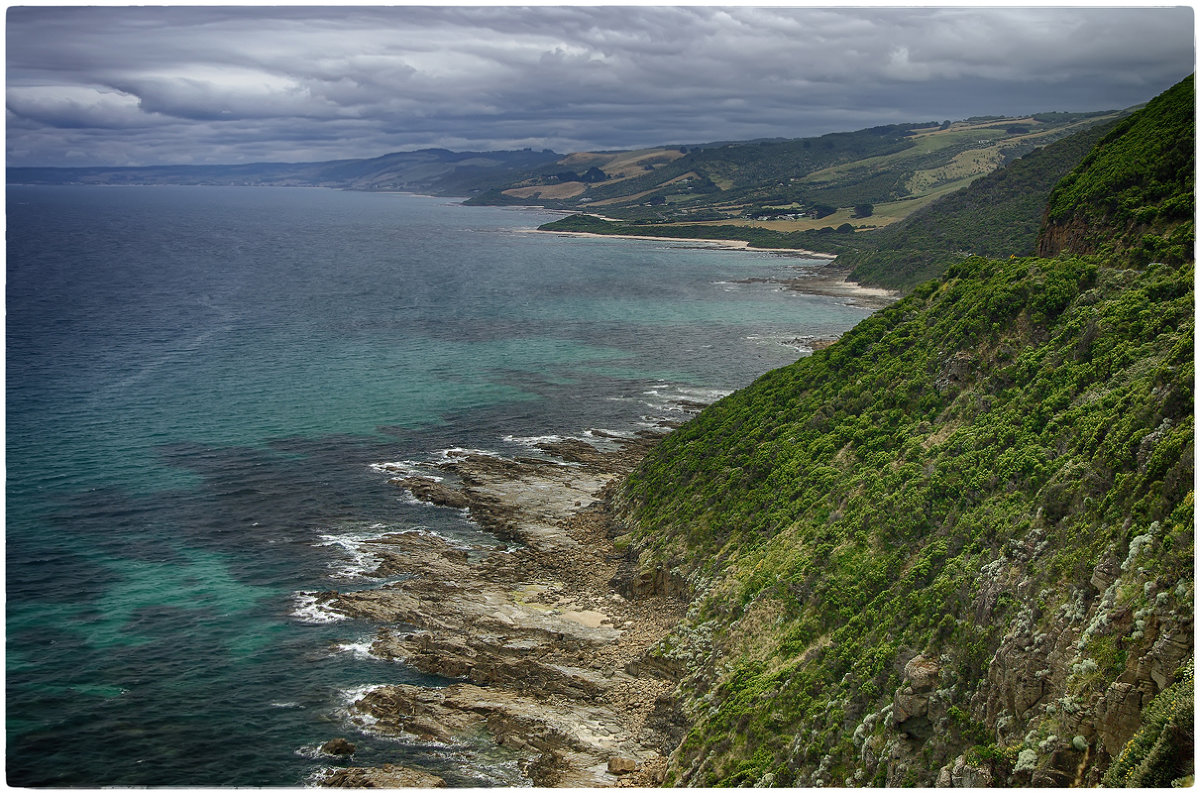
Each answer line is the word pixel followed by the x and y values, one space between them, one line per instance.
pixel 198 382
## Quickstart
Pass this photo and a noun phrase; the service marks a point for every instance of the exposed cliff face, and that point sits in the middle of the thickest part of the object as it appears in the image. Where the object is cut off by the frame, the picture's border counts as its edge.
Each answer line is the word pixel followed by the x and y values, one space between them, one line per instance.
pixel 1056 719
pixel 1072 234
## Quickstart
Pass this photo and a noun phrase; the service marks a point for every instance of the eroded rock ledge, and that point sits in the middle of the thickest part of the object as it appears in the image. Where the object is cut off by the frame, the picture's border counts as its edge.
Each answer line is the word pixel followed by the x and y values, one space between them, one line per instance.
pixel 541 653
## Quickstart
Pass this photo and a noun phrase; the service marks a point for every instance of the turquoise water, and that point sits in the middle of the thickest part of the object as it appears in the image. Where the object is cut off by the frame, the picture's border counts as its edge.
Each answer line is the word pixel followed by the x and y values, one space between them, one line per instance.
pixel 198 383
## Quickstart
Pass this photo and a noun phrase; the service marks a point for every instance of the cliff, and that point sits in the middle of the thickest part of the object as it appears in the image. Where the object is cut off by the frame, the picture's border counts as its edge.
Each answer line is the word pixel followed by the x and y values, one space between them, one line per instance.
pixel 1134 193
pixel 956 547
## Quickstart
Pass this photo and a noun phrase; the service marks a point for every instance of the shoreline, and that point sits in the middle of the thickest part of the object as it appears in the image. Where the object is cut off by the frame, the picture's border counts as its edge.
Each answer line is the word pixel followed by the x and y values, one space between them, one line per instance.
pixel 740 245
pixel 547 645
pixel 823 284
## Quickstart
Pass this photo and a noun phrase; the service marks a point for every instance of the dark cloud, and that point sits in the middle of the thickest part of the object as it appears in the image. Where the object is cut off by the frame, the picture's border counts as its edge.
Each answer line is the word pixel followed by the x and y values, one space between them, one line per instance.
pixel 143 85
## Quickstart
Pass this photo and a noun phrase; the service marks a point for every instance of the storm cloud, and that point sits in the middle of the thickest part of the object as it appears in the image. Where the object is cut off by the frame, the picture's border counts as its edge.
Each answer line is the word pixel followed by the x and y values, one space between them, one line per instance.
pixel 143 85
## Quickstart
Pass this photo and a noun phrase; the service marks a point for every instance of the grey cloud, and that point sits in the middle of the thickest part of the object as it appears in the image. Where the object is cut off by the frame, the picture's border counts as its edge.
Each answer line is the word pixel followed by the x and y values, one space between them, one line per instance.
pixel 230 84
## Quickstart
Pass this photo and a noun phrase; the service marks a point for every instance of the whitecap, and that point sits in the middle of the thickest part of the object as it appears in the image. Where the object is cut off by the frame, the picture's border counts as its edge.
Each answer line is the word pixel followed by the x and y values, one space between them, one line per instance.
pixel 357 563
pixel 459 451
pixel 358 649
pixel 681 398
pixel 349 697
pixel 310 612
pixel 408 468
pixel 533 440
pixel 425 531
pixel 314 752
pixel 591 434
pixel 412 500
pixel 317 778
pixel 357 560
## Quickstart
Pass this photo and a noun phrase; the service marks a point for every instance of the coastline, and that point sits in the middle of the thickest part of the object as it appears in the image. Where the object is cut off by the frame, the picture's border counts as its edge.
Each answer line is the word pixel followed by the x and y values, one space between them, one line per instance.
pixel 826 284
pixel 836 284
pixel 548 644
pixel 740 245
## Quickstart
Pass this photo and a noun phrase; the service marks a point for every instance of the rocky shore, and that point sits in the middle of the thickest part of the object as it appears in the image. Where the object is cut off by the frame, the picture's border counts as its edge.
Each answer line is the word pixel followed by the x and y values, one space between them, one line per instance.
pixel 545 644
pixel 829 281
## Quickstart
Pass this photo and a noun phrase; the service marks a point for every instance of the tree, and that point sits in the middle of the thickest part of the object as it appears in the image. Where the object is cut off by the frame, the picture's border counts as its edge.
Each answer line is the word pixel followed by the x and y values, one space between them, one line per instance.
pixel 864 210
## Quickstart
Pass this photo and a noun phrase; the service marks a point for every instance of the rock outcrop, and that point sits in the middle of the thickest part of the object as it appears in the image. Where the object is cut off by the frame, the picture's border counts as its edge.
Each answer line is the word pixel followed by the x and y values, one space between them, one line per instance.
pixel 542 652
pixel 388 775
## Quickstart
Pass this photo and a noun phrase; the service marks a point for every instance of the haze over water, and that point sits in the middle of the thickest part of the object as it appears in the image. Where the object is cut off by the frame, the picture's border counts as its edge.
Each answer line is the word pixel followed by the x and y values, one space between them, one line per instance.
pixel 199 382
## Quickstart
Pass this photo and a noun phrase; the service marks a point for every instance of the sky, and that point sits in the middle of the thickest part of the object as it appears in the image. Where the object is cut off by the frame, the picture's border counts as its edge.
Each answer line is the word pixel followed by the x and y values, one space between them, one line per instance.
pixel 125 85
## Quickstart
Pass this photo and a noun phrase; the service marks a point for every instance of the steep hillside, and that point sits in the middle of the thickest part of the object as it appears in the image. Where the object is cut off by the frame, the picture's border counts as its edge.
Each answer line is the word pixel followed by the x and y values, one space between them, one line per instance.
pixel 997 215
pixel 956 547
pixel 1135 192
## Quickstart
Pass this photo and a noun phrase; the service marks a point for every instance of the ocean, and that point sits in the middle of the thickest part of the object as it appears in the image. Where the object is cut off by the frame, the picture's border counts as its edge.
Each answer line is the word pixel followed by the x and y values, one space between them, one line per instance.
pixel 207 391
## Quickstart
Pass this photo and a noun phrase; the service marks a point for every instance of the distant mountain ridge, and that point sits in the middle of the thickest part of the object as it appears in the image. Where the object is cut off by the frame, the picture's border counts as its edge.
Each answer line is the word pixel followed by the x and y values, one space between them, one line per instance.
pixel 437 171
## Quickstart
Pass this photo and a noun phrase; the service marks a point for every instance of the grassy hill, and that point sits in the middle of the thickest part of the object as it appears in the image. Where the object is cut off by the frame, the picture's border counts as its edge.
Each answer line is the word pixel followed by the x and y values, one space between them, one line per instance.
pixel 901 167
pixel 997 215
pixel 935 195
pixel 955 547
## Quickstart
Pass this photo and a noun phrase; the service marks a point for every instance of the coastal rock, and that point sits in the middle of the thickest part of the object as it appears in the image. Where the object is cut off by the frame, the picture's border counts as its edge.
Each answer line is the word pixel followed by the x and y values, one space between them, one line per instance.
pixel 965 774
pixel 433 492
pixel 338 746
pixel 1120 715
pixel 543 649
pixel 621 765
pixel 388 775
pixel 1014 680
pixel 493 660
pixel 955 371
pixel 568 743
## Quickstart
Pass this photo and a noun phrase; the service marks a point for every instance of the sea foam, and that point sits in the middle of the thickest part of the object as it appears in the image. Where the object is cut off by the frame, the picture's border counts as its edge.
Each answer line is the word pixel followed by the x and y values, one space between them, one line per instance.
pixel 307 610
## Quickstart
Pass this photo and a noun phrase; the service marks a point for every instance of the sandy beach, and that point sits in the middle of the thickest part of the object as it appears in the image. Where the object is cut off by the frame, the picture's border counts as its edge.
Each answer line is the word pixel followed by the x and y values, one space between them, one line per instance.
pixel 830 281
pixel 735 244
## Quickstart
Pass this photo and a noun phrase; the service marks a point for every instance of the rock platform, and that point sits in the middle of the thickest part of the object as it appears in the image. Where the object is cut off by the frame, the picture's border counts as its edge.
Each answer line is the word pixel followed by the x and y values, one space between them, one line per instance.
pixel 540 653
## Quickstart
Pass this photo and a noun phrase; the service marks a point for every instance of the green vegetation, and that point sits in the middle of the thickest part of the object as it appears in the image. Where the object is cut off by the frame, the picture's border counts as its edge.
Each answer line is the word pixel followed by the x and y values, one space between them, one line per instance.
pixel 1135 192
pixel 759 172
pixel 854 496
pixel 998 215
pixel 1161 753
pixel 810 176
pixel 997 465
